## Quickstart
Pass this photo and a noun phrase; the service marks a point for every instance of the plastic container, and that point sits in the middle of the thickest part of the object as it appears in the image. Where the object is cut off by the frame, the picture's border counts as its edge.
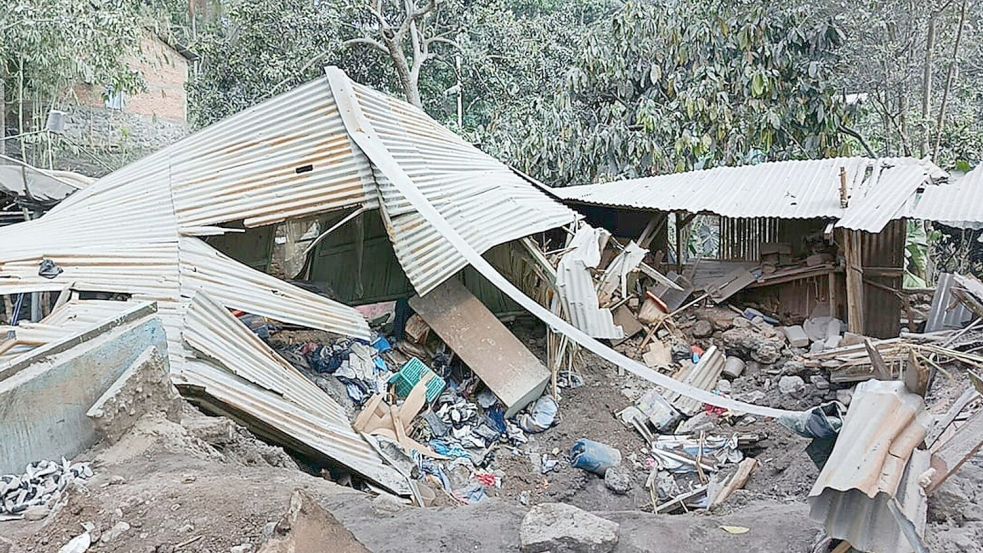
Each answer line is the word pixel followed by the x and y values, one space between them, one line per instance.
pixel 594 456
pixel 413 372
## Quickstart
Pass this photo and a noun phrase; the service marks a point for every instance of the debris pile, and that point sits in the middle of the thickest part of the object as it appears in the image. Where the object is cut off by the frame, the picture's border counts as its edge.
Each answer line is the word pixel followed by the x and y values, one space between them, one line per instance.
pixel 30 495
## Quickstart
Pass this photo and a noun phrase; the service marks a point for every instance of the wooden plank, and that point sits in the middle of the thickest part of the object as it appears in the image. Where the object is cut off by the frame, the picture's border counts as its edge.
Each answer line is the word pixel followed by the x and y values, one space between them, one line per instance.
pixel 854 281
pixel 881 370
pixel 736 481
pixel 945 420
pixel 731 284
pixel 624 318
pixel 951 455
pixel 482 342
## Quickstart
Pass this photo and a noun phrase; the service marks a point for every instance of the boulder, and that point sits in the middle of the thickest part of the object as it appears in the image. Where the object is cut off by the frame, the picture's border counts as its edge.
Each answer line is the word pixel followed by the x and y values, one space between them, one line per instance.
pixel 562 528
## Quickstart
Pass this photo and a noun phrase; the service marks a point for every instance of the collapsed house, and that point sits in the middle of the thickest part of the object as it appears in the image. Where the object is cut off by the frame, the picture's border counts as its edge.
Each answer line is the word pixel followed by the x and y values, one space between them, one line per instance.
pixel 796 237
pixel 141 235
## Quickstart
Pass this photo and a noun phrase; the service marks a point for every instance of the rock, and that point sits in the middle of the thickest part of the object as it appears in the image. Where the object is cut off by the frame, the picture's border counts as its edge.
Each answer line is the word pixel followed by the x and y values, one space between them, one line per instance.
pixel 36 512
pixel 819 382
pixel 242 548
pixel 797 337
pixel 188 478
pixel 116 480
pixel 78 544
pixel 817 347
pixel 115 532
pixel 792 385
pixel 618 479
pixel 723 386
pixel 754 397
pixel 793 367
pixel 702 329
pixel 844 396
pixel 766 354
pixel 562 528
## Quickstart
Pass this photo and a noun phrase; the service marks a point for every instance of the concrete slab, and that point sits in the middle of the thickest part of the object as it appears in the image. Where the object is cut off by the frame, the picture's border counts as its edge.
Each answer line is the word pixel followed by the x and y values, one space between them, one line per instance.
pixel 45 394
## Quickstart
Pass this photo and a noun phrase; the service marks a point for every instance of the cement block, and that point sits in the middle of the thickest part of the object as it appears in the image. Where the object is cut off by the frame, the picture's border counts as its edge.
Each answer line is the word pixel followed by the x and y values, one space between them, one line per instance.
pixel 797 337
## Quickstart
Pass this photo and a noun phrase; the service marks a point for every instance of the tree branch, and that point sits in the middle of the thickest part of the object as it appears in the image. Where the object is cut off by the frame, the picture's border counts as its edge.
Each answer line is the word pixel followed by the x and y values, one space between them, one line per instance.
pixel 368 42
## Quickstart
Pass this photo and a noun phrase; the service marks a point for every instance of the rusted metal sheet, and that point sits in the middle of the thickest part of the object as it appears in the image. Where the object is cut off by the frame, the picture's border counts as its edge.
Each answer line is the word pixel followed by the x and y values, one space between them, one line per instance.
pixel 869 466
pixel 879 190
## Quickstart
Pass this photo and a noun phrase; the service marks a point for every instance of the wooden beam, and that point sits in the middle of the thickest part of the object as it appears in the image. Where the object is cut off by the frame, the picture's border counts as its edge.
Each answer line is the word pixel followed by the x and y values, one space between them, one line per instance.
pixel 881 370
pixel 854 281
pixel 945 420
pixel 951 455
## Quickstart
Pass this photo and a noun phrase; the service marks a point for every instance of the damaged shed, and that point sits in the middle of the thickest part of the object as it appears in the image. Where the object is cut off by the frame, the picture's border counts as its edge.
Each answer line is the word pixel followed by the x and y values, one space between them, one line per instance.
pixel 802 238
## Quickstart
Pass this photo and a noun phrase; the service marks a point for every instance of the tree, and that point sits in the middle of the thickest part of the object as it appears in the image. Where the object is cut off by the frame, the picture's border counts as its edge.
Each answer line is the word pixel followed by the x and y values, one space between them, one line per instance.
pixel 675 86
pixel 407 33
pixel 49 46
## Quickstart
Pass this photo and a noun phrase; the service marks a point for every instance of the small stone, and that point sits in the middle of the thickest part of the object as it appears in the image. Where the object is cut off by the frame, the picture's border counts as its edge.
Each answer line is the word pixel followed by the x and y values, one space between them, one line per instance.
pixel 724 386
pixel 36 512
pixel 242 548
pixel 187 529
pixel 792 385
pixel 188 478
pixel 116 480
pixel 562 528
pixel 844 396
pixel 702 329
pixel 115 532
pixel 618 479
pixel 819 382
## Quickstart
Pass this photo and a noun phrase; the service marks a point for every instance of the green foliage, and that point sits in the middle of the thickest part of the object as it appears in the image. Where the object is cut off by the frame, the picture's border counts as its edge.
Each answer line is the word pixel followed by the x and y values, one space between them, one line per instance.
pixel 51 45
pixel 682 85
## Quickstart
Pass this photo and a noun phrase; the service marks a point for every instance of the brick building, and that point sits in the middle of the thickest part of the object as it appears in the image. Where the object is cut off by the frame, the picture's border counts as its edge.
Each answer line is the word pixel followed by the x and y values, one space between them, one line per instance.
pixel 124 127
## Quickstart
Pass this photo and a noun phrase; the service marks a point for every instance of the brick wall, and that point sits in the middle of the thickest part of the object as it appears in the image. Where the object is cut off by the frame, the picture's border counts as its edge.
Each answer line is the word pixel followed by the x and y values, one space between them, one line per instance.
pixel 165 73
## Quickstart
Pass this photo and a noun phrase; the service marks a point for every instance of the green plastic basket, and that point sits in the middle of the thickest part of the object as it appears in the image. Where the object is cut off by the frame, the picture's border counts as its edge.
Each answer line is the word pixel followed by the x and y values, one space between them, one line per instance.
pixel 413 372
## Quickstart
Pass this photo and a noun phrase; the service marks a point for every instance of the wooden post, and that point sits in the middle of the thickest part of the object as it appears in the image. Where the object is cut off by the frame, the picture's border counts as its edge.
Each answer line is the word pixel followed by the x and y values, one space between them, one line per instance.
pixel 854 281
pixel 844 191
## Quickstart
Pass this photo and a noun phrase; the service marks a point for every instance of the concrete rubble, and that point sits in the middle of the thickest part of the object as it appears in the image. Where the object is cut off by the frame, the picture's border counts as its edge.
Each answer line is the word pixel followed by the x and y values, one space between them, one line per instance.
pixel 562 528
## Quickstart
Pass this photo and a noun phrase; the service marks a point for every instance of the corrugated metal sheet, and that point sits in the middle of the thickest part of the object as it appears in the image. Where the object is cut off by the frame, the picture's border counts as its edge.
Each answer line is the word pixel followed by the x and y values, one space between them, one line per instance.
pixel 576 289
pixel 959 204
pixel 485 201
pixel 257 381
pixel 879 190
pixel 868 466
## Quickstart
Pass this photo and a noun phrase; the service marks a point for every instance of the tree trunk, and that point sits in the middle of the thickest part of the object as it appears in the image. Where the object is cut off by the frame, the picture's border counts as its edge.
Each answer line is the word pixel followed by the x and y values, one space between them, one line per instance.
pixel 3 106
pixel 411 85
pixel 927 84
pixel 949 80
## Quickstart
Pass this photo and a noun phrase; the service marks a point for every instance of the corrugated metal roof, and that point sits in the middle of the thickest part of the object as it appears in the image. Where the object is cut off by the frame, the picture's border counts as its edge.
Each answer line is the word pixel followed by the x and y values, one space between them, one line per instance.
pixel 485 201
pixel 958 204
pixel 878 190
pixel 869 464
